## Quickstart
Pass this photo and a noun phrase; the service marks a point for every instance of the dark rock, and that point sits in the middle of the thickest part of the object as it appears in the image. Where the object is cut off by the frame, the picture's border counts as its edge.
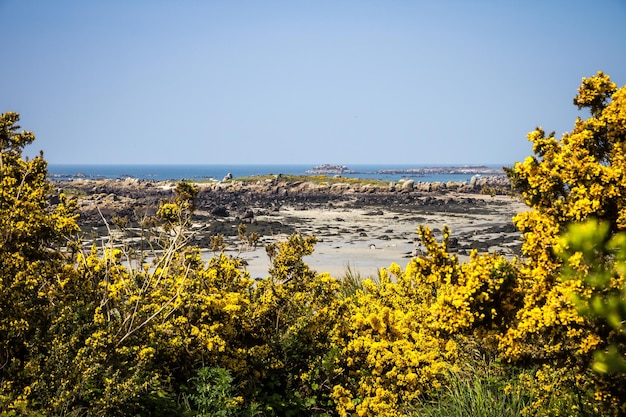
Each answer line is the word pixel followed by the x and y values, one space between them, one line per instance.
pixel 220 211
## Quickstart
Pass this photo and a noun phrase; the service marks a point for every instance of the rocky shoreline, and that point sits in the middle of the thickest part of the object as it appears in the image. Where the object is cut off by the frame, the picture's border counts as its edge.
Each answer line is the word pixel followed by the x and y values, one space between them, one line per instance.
pixel 341 214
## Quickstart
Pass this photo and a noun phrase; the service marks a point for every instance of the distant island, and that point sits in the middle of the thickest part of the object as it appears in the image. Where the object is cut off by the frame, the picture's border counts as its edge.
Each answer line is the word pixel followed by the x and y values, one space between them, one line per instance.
pixel 465 169
pixel 330 169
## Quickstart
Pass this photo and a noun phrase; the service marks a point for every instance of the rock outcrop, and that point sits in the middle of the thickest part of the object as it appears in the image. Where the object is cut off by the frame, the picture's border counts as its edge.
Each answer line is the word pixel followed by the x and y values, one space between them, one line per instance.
pixel 100 200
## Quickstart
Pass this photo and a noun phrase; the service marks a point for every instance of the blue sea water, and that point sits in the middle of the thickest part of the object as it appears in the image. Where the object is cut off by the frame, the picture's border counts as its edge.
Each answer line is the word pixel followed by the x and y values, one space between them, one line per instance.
pixel 217 172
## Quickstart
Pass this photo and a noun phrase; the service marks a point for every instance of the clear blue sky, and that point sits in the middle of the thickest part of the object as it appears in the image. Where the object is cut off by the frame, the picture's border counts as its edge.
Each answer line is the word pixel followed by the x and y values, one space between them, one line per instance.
pixel 337 81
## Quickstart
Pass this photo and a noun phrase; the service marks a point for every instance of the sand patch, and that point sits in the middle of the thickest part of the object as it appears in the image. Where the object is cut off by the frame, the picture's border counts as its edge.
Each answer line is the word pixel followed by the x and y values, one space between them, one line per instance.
pixel 369 238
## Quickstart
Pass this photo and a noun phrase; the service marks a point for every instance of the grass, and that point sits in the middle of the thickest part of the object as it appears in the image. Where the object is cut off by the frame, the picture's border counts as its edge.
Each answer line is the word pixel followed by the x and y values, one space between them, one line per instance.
pixel 475 392
pixel 72 192
pixel 352 281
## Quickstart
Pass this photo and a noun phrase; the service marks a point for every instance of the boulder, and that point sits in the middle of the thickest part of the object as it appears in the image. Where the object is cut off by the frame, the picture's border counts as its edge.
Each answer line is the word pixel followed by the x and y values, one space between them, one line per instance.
pixel 220 211
pixel 408 185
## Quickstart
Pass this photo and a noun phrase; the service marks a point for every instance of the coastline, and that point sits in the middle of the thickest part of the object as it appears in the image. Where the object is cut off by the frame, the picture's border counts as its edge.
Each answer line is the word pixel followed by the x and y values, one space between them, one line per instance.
pixel 387 172
pixel 359 226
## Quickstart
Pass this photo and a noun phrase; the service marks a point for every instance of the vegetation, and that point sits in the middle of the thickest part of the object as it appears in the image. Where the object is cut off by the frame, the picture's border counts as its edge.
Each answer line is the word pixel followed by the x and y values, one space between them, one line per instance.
pixel 114 332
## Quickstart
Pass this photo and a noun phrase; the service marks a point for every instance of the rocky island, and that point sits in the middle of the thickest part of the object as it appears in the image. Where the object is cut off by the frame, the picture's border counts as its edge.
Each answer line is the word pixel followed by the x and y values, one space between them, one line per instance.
pixel 470 170
pixel 465 169
pixel 332 169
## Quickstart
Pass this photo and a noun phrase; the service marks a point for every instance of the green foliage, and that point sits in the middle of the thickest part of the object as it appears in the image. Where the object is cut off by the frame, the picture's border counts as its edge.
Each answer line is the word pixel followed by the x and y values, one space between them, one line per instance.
pixel 598 260
pixel 213 394
pixel 351 282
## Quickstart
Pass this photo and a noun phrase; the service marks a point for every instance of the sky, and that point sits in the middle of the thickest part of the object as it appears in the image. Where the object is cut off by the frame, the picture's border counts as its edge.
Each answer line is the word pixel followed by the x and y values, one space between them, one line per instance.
pixel 301 82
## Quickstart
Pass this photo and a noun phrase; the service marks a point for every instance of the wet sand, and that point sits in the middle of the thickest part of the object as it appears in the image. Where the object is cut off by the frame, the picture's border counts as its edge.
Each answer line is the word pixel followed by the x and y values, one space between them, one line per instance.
pixel 367 239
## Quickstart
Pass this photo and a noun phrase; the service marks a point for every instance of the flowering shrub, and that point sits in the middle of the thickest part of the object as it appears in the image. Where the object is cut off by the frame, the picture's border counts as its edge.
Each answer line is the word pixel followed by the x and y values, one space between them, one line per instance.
pixel 578 177
pixel 403 334
pixel 31 232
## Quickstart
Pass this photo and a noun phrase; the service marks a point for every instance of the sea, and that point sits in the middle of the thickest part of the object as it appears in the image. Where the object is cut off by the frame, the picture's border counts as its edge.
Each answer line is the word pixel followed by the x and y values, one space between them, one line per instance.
pixel 69 172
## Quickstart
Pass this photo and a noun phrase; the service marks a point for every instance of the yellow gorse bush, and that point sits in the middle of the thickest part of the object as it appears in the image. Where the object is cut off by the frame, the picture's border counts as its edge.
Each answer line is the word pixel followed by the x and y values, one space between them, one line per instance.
pixel 404 333
pixel 578 177
pixel 31 231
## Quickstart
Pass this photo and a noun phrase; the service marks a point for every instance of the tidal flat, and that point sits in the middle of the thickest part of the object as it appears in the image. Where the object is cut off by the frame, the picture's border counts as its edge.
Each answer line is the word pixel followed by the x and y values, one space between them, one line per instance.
pixel 359 226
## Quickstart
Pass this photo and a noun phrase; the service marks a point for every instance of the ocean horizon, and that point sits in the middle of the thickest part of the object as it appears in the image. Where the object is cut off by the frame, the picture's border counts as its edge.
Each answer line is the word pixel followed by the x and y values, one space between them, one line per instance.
pixel 163 172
